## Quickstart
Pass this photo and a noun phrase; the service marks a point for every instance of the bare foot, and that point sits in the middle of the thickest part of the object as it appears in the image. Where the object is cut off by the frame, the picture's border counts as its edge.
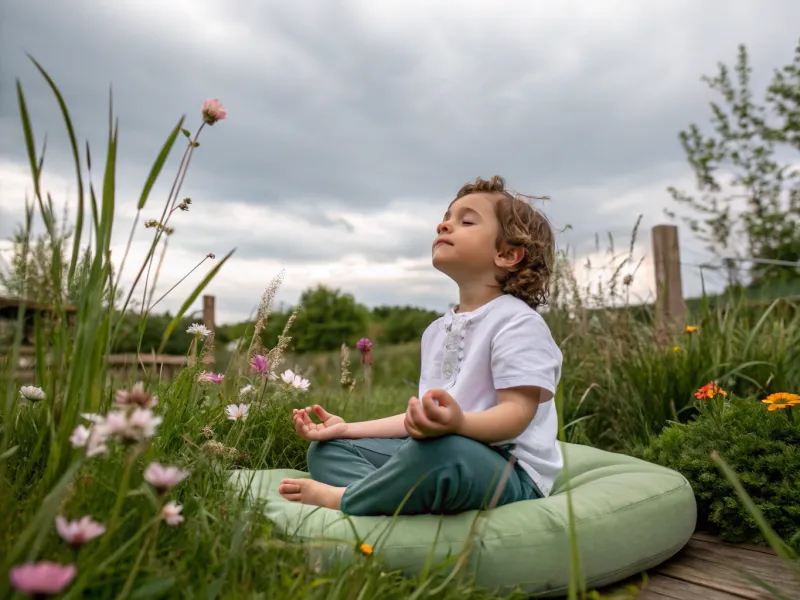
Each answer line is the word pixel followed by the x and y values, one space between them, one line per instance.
pixel 308 491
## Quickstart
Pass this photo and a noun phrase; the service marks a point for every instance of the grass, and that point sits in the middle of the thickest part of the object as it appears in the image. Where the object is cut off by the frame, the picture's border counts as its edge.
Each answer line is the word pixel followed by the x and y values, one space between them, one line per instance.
pixel 622 382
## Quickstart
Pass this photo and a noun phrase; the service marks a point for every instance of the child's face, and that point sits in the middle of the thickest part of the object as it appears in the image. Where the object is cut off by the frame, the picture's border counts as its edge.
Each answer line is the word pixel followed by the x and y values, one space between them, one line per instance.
pixel 467 236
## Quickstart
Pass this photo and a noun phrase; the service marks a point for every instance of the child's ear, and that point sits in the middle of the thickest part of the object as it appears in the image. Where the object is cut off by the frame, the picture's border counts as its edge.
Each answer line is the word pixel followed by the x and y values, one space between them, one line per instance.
pixel 509 257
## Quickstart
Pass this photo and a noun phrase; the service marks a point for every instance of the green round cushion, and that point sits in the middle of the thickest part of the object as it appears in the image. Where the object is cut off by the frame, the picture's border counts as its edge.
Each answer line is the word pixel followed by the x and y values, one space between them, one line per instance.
pixel 630 515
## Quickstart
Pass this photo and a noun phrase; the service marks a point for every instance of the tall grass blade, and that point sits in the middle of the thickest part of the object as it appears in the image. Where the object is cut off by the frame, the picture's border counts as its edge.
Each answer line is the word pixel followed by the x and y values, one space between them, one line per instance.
pixel 192 297
pixel 77 159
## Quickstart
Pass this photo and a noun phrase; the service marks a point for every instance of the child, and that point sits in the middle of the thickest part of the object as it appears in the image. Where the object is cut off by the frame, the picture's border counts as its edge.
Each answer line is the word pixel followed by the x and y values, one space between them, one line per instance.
pixel 485 430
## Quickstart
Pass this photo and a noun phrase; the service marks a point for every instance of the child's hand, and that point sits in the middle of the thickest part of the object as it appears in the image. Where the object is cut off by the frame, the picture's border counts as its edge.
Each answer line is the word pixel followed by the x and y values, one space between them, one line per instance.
pixel 332 427
pixel 426 419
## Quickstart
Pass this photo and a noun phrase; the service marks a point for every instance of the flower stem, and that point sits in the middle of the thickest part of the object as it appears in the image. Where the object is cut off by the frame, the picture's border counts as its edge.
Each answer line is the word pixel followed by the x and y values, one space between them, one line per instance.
pixel 135 569
pixel 123 491
pixel 197 266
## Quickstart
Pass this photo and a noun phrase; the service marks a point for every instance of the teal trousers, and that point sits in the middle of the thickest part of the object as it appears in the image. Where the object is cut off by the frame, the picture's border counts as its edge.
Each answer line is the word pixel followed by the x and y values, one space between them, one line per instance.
pixel 442 475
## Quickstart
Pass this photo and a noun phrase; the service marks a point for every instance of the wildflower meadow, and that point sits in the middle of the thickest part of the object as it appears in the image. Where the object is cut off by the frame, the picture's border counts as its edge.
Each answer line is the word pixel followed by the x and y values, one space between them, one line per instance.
pixel 118 488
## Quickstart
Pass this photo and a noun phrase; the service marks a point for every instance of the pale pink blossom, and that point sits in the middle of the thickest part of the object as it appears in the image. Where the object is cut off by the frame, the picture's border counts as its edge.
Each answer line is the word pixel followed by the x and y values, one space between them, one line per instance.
pixel 246 391
pixel 143 420
pixel 91 438
pixel 294 380
pixel 213 111
pixel 79 437
pixel 136 396
pixel 237 413
pixel 171 513
pixel 163 478
pixel 210 377
pixel 137 426
pixel 79 532
pixel 259 363
pixel 42 579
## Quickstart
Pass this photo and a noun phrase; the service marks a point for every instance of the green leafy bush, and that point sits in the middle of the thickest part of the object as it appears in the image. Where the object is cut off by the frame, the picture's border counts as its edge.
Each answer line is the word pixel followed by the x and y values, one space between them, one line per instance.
pixel 762 447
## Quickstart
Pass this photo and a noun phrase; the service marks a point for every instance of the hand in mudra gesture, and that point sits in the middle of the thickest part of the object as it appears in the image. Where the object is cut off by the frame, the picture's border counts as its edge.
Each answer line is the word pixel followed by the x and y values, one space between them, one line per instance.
pixel 330 428
pixel 436 414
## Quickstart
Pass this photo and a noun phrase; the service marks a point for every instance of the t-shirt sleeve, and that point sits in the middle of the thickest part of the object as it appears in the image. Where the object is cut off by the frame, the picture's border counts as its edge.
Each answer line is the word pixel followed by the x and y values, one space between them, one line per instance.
pixel 524 353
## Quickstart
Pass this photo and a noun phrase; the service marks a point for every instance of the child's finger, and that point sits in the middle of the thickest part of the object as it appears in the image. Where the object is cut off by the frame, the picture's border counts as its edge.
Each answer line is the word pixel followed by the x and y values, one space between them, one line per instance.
pixel 421 422
pixel 433 412
pixel 321 413
pixel 410 427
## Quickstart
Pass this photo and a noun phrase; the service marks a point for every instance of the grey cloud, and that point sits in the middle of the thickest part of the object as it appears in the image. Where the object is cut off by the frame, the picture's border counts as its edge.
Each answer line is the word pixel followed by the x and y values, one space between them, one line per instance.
pixel 326 109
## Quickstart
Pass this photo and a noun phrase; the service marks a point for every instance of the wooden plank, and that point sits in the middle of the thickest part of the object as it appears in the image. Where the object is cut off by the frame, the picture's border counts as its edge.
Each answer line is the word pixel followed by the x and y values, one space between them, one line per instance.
pixel 707 537
pixel 734 560
pixel 697 573
pixel 147 359
pixel 661 586
pixel 7 302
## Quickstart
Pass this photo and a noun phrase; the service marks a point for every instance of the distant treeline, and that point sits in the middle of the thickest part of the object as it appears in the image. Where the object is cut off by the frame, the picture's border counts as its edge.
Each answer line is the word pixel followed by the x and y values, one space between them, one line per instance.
pixel 327 319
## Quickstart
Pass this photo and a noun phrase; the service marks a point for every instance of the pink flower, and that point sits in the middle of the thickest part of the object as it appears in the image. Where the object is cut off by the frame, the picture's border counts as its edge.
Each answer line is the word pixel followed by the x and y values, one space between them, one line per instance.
pixel 77 533
pixel 171 513
pixel 259 363
pixel 162 478
pixel 136 396
pixel 138 426
pixel 213 111
pixel 42 578
pixel 365 347
pixel 210 378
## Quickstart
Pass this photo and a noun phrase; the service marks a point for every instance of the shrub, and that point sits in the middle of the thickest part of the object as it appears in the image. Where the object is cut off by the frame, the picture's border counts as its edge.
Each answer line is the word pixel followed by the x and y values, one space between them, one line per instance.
pixel 763 447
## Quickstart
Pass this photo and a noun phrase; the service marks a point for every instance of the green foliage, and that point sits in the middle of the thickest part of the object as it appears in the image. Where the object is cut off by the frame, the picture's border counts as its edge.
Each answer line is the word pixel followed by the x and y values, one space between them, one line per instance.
pixel 762 447
pixel 402 324
pixel 748 142
pixel 154 327
pixel 624 377
pixel 327 319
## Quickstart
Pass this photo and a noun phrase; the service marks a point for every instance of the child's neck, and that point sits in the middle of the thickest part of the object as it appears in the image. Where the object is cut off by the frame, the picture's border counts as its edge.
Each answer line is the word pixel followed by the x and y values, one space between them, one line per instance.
pixel 475 295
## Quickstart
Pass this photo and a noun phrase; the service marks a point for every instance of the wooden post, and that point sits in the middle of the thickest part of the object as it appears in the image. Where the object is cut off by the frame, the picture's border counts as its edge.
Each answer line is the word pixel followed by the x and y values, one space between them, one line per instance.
pixel 670 308
pixel 208 320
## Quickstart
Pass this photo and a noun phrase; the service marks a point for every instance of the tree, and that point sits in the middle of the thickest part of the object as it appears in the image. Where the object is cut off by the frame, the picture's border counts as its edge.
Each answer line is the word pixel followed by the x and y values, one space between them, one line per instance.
pixel 745 162
pixel 327 319
pixel 401 324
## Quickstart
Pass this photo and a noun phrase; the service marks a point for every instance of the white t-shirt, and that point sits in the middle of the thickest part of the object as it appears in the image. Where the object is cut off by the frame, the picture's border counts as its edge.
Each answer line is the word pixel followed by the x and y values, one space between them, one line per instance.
pixel 502 344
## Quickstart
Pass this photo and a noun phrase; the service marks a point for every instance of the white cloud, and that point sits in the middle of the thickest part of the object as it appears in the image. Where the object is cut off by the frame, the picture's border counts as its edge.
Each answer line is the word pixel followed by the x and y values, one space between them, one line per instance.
pixel 353 123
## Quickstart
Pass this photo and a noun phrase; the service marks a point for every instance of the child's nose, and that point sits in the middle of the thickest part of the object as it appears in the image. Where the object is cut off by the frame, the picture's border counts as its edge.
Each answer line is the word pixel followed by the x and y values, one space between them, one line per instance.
pixel 444 226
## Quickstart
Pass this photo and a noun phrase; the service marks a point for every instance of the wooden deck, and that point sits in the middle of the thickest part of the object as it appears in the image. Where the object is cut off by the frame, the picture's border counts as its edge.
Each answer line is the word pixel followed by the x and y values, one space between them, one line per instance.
pixel 708 569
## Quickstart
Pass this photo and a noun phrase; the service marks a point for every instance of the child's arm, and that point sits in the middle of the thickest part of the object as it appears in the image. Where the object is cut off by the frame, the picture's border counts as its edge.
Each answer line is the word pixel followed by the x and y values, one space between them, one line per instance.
pixel 388 427
pixel 515 410
pixel 333 427
pixel 440 414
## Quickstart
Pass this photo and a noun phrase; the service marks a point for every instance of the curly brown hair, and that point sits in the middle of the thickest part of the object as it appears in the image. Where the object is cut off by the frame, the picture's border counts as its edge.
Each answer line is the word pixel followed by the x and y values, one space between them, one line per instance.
pixel 520 225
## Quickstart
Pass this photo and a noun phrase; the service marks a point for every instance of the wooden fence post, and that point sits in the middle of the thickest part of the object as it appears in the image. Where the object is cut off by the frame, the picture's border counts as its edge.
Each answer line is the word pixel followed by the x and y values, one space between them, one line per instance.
pixel 208 320
pixel 670 307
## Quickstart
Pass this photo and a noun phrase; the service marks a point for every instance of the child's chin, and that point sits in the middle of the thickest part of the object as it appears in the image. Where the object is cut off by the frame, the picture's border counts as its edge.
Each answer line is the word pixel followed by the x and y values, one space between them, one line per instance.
pixel 441 265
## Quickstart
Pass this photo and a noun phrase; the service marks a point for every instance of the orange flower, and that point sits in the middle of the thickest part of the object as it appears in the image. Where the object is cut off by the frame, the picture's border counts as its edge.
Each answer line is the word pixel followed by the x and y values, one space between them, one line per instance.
pixel 709 391
pixel 691 328
pixel 676 348
pixel 366 549
pixel 781 400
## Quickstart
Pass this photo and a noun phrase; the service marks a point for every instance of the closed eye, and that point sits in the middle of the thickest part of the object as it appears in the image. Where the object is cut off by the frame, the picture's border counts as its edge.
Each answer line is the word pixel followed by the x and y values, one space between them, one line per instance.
pixel 467 223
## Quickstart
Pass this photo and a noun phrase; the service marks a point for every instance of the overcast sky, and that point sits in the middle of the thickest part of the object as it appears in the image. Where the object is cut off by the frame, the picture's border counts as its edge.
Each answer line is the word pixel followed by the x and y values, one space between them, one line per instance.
pixel 352 124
